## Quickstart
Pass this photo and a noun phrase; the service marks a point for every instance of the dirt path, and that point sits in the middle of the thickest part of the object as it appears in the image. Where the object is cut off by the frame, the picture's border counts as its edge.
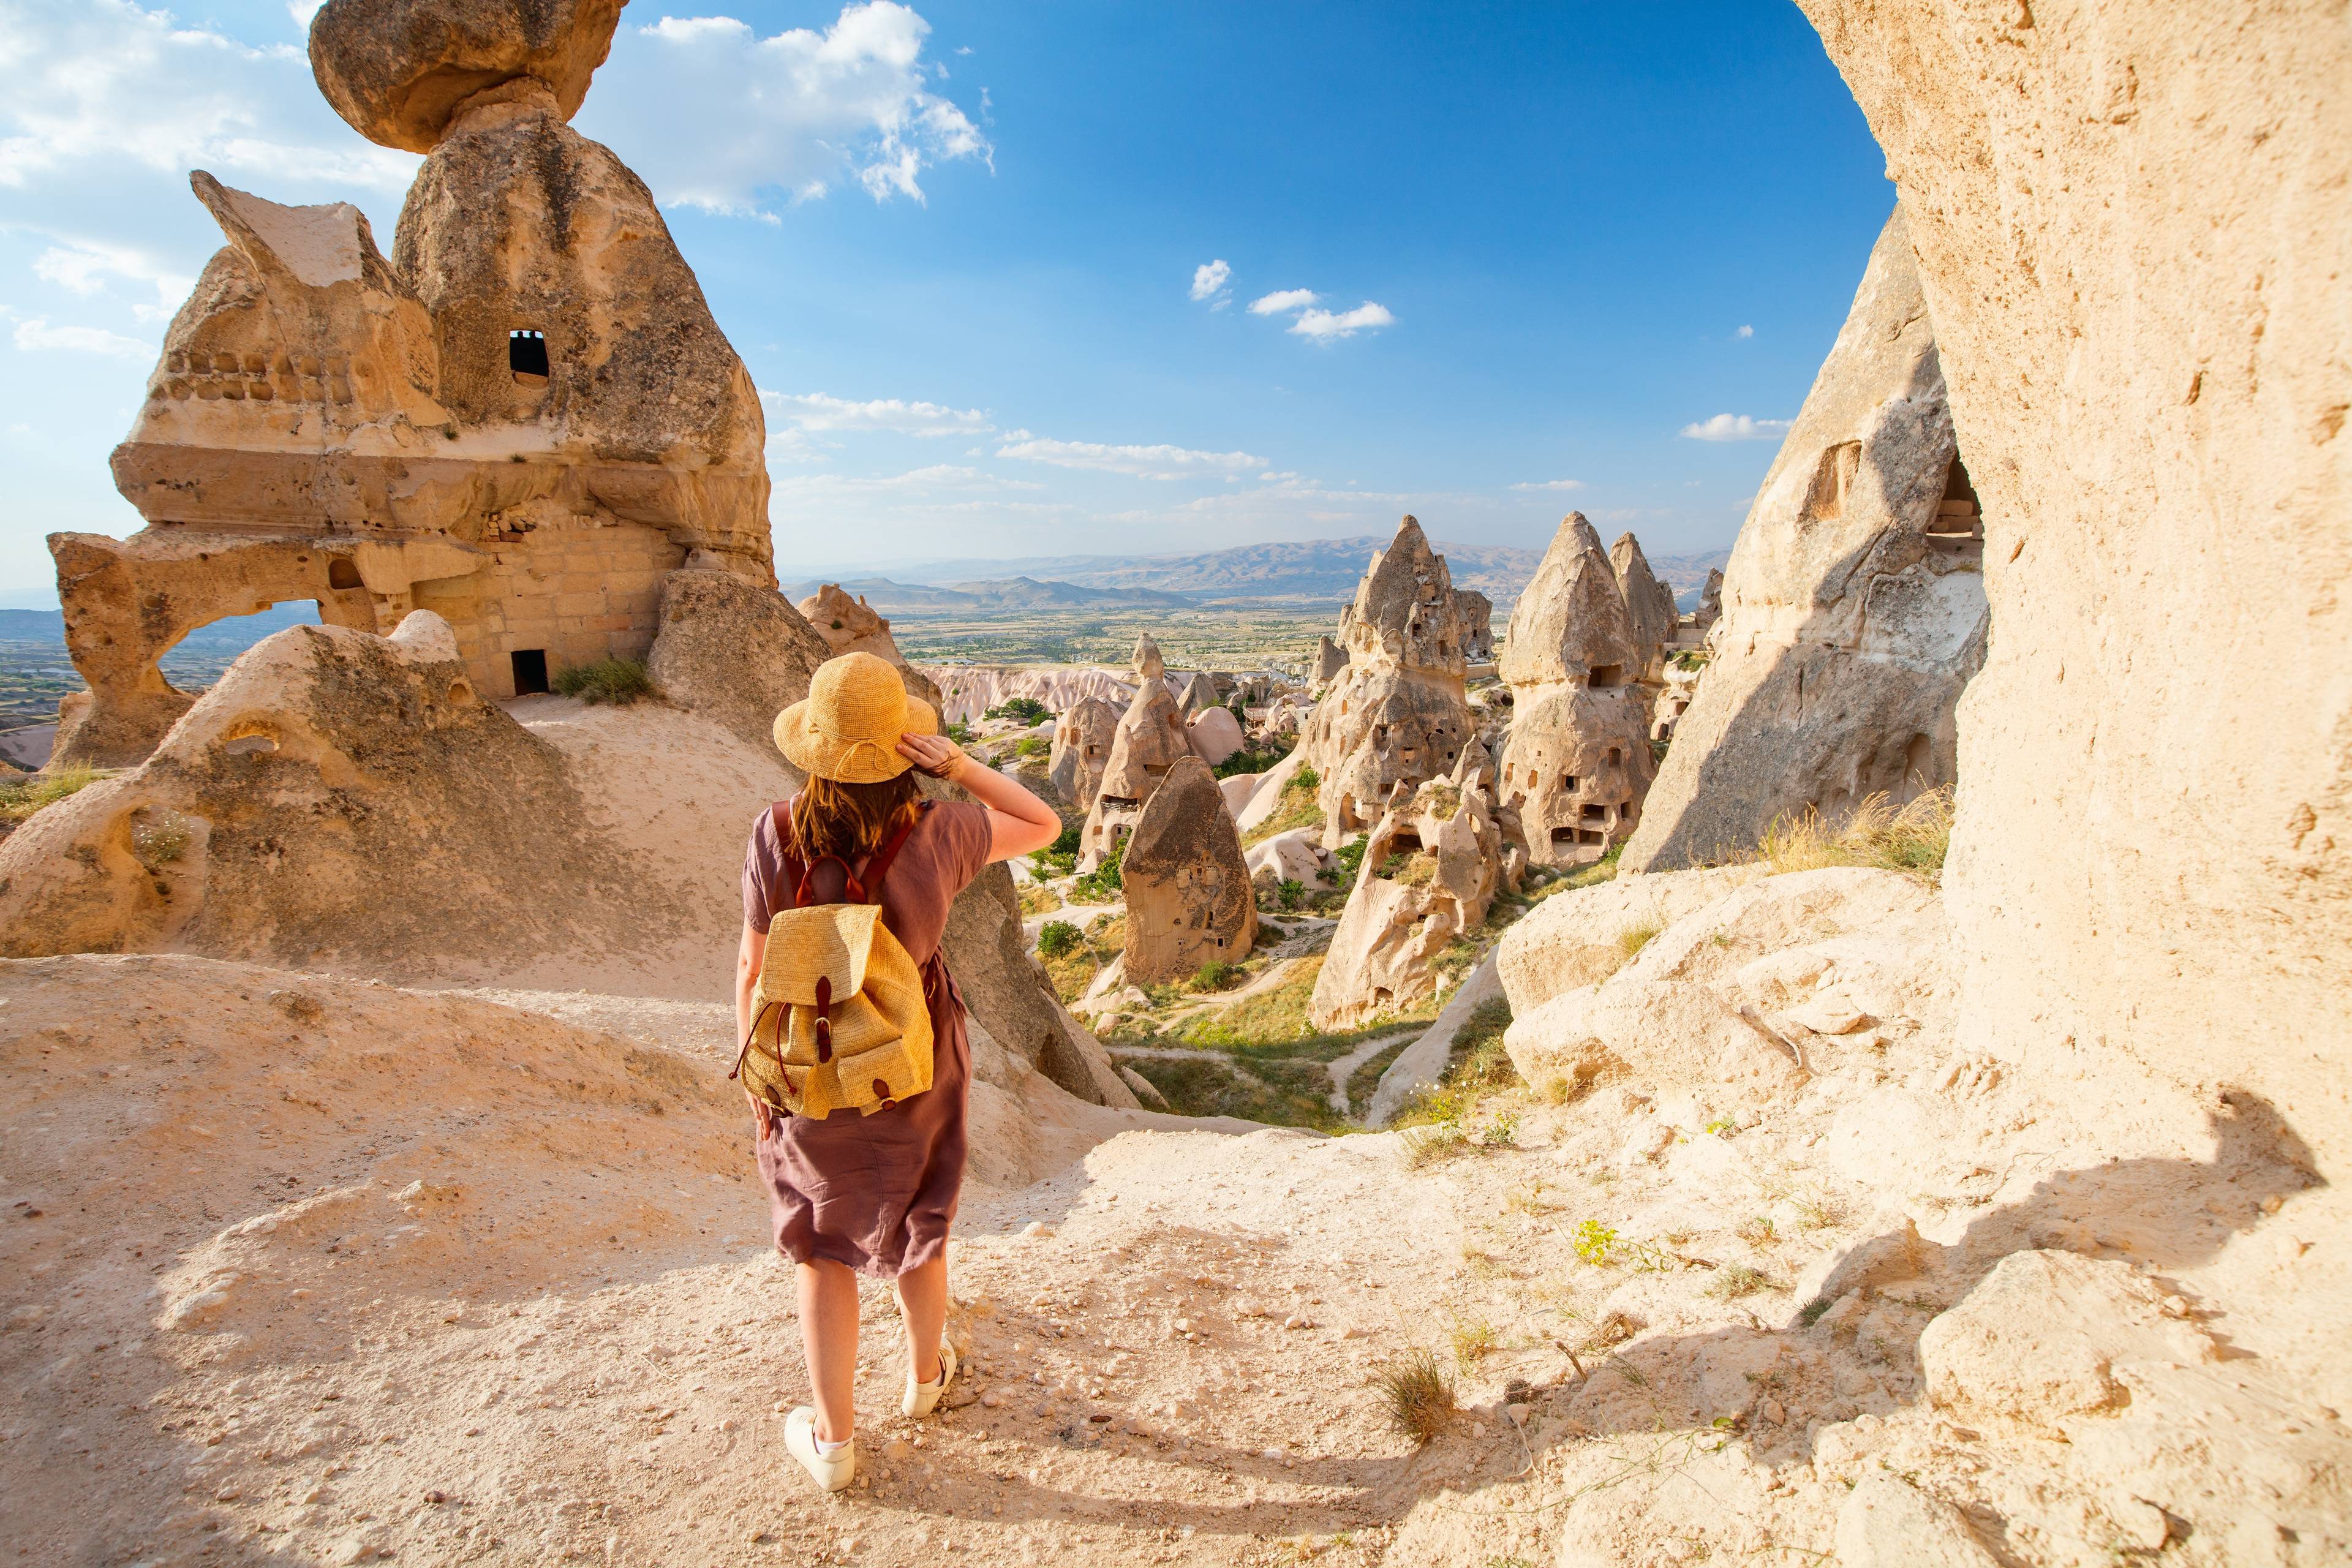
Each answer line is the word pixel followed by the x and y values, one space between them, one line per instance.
pixel 1345 1068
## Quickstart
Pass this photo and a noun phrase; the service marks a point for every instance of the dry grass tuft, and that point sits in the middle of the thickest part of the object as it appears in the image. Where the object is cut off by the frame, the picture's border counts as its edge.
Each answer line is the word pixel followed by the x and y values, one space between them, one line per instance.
pixel 1912 839
pixel 1473 1339
pixel 1634 938
pixel 20 797
pixel 1425 1146
pixel 619 682
pixel 1416 1392
pixel 1738 1279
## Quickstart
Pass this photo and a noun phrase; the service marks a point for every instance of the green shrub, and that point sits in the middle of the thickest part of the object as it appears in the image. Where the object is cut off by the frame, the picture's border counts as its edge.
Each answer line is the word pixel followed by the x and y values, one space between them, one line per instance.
pixel 619 682
pixel 1058 937
pixel 1350 860
pixel 1027 709
pixel 1306 778
pixel 1101 884
pixel 1250 760
pixel 1033 746
pixel 1215 976
pixel 957 731
pixel 1290 890
pixel 1058 858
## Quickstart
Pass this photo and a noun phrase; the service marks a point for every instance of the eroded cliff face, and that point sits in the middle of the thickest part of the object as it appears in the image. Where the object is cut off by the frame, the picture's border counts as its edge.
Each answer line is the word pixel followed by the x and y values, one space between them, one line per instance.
pixel 1854 607
pixel 2131 220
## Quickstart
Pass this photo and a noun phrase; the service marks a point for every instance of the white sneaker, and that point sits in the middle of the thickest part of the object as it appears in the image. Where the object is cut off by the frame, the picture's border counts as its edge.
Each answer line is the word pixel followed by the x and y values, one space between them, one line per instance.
pixel 922 1398
pixel 831 1472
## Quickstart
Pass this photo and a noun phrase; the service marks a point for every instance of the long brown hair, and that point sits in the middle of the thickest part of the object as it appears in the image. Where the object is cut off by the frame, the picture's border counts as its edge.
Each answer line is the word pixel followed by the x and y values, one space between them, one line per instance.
pixel 850 819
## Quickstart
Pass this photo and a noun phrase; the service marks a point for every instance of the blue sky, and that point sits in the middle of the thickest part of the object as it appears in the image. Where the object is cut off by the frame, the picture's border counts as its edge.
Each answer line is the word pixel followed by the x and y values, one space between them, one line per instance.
pixel 959 244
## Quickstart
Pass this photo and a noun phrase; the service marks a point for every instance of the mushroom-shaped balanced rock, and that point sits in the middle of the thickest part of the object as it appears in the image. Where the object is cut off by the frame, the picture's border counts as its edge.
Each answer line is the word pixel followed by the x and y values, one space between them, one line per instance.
pixel 397 69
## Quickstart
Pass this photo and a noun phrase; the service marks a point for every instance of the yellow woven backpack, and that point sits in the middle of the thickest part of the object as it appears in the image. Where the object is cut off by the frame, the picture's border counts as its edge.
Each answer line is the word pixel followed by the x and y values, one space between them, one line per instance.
pixel 838 1016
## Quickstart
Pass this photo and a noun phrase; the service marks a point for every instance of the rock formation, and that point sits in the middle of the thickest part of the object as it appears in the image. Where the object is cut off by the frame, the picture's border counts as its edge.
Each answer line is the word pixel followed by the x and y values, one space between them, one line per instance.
pixel 1189 900
pixel 1083 736
pixel 849 626
pixel 1196 694
pixel 1150 740
pixel 401 74
pixel 1649 608
pixel 1331 658
pixel 522 422
pixel 735 652
pixel 2146 345
pixel 1853 616
pixel 1476 612
pixel 968 690
pixel 1147 665
pixel 325 769
pixel 1397 713
pixel 1428 876
pixel 1214 734
pixel 1710 602
pixel 1577 760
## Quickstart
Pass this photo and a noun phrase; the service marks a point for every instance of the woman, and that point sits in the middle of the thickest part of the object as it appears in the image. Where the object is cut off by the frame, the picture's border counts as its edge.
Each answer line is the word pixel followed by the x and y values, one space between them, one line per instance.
pixel 874 1194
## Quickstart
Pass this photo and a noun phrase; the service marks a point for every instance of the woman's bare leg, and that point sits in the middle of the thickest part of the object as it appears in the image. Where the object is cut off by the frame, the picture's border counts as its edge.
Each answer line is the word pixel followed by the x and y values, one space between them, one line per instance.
pixel 923 1304
pixel 828 1293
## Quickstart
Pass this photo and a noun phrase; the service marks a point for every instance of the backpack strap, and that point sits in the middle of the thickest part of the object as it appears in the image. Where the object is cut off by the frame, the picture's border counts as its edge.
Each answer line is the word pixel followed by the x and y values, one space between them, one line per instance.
pixel 878 867
pixel 866 889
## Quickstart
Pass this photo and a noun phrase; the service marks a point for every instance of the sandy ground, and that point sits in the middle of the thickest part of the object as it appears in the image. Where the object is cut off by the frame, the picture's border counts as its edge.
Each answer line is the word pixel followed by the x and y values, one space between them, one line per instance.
pixel 301 1269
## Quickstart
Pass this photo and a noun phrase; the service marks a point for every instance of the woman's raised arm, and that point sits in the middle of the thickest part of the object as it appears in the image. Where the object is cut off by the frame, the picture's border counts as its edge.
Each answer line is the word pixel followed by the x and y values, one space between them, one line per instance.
pixel 1018 821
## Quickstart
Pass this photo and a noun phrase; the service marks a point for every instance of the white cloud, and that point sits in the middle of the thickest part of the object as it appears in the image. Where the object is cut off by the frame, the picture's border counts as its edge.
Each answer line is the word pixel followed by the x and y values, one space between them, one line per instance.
pixel 302 10
pixel 934 479
pixel 1285 300
pixel 37 334
pixel 716 117
pixel 1325 326
pixel 1550 485
pixel 108 81
pixel 1209 281
pixel 816 411
pixel 1735 427
pixel 1745 333
pixel 1153 462
pixel 83 267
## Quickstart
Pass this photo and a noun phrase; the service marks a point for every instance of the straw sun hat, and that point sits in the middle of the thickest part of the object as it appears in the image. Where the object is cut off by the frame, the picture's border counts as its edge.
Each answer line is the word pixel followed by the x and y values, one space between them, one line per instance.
pixel 847 728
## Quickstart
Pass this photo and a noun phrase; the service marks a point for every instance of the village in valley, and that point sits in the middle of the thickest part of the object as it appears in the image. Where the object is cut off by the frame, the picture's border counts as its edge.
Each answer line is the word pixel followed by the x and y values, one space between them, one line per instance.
pixel 1766 1067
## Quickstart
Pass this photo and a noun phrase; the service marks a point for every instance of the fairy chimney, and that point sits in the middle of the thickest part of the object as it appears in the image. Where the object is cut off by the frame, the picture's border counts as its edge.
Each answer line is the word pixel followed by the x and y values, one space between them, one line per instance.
pixel 1083 735
pixel 1577 760
pixel 1331 658
pixel 1188 900
pixel 1477 614
pixel 1147 663
pixel 1649 609
pixel 1428 876
pixel 1398 712
pixel 1151 738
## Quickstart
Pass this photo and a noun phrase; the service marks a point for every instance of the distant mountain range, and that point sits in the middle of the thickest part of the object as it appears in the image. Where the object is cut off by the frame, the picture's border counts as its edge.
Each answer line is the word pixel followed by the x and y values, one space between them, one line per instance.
pixel 891 597
pixel 1325 570
pixel 232 636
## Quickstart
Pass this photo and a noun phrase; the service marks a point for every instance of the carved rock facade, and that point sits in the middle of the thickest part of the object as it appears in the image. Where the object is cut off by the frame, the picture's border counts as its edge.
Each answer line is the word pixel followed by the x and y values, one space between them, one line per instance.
pixel 1397 713
pixel 1577 761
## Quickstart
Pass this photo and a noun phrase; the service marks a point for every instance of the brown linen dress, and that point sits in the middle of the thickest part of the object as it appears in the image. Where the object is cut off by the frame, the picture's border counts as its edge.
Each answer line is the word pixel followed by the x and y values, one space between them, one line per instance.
pixel 878 1193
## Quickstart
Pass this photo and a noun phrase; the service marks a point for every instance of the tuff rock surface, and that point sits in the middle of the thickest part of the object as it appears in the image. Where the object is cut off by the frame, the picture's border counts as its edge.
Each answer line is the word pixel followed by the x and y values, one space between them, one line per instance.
pixel 1188 900
pixel 1853 614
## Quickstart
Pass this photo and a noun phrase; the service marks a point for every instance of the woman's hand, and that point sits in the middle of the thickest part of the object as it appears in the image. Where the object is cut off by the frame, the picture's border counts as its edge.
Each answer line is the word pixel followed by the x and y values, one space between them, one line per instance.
pixel 934 755
pixel 762 1116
